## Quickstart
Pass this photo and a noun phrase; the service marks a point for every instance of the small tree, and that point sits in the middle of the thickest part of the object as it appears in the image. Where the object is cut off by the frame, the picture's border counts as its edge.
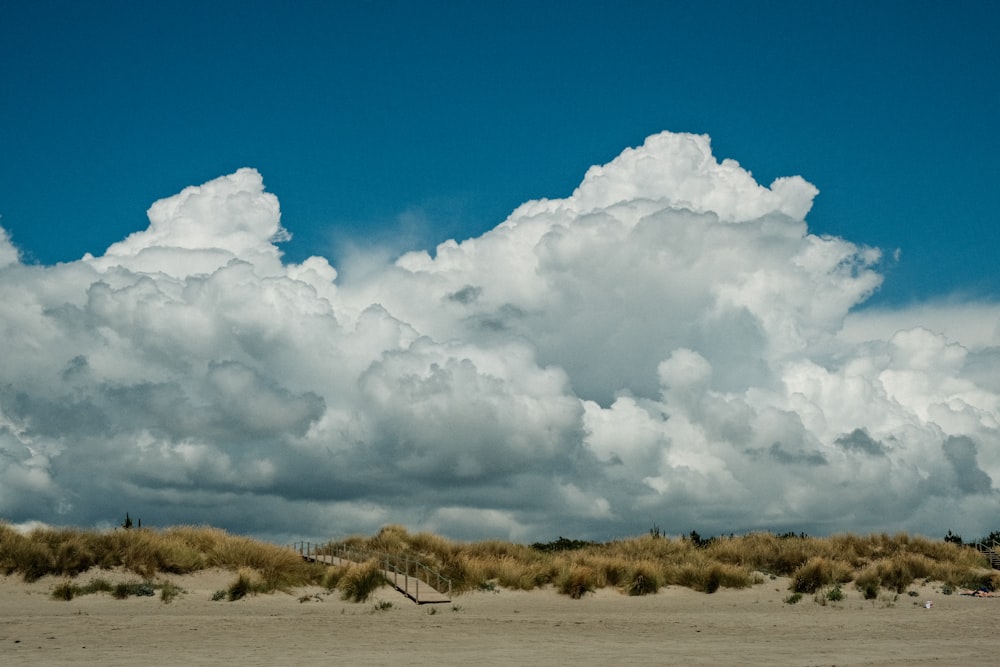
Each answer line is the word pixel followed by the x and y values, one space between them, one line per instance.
pixel 699 541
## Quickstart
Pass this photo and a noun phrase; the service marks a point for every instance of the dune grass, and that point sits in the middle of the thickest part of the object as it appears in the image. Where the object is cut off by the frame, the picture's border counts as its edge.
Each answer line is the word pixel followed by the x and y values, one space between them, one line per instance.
pixel 359 582
pixel 641 565
pixel 67 590
pixel 147 552
pixel 634 566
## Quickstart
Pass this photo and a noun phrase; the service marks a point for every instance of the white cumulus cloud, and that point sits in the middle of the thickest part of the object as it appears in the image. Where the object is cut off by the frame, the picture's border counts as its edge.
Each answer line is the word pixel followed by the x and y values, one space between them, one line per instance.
pixel 669 344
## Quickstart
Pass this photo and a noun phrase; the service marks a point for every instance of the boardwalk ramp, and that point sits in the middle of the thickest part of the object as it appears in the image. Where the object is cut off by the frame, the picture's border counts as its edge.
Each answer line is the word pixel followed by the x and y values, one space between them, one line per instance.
pixel 991 552
pixel 407 575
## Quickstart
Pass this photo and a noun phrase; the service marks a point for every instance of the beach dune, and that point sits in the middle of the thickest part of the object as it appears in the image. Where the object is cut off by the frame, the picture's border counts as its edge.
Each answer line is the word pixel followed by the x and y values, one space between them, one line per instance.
pixel 752 626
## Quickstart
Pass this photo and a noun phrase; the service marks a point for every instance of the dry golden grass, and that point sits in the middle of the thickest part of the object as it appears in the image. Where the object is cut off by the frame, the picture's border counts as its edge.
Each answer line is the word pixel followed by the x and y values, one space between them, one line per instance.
pixel 576 580
pixel 147 552
pixel 642 564
pixel 359 582
pixel 819 572
pixel 635 566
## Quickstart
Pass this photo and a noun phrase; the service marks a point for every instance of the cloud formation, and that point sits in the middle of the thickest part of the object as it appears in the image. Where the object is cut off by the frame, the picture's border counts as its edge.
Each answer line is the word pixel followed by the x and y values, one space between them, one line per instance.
pixel 669 344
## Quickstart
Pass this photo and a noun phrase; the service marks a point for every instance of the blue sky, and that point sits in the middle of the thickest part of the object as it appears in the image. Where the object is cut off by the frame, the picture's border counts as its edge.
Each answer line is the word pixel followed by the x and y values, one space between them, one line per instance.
pixel 629 328
pixel 407 123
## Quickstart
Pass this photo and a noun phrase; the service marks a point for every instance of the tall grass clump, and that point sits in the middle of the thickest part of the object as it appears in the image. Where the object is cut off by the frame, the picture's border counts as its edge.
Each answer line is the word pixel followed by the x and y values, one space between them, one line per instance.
pixel 169 591
pixel 899 570
pixel 577 580
pixel 642 579
pixel 247 582
pixel 709 576
pixel 613 571
pixel 332 576
pixel 764 552
pixel 819 572
pixel 65 590
pixel 31 559
pixel 360 582
pixel 474 571
pixel 958 576
pixel 278 568
pixel 868 582
pixel 73 553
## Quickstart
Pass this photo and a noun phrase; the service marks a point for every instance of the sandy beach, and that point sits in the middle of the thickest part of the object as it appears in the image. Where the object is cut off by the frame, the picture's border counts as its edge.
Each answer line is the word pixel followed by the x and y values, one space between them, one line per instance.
pixel 676 626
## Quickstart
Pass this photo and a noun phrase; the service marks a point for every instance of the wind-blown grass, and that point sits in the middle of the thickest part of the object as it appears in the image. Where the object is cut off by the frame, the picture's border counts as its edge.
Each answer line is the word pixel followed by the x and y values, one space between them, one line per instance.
pixel 641 565
pixel 635 566
pixel 360 582
pixel 147 552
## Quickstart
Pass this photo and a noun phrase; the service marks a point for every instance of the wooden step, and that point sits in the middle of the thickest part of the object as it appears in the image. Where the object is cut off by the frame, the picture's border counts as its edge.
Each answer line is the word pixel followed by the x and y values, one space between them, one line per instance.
pixel 991 555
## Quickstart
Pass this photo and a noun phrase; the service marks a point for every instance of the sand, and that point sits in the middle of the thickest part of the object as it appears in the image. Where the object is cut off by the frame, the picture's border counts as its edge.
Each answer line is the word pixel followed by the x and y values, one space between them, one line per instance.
pixel 675 626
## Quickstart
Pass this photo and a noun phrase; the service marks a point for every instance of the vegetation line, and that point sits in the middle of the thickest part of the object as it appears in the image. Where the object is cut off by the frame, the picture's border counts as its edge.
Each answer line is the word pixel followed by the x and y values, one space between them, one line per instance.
pixel 635 566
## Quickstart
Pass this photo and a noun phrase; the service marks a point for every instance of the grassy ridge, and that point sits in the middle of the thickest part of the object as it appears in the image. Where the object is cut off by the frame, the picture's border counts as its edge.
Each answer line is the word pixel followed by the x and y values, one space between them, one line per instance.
pixel 635 566
pixel 177 550
pixel 641 565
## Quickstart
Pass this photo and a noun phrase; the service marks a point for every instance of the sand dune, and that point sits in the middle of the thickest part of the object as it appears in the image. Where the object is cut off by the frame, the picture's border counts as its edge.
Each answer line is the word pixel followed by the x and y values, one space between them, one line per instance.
pixel 675 626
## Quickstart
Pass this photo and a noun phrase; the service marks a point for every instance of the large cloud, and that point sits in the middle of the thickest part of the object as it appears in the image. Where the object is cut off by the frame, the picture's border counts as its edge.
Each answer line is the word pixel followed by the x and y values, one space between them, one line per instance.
pixel 667 345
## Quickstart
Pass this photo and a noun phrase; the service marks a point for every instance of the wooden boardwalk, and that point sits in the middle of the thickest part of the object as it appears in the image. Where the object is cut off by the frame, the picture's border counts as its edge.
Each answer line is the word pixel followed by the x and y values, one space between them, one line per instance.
pixel 407 576
pixel 992 553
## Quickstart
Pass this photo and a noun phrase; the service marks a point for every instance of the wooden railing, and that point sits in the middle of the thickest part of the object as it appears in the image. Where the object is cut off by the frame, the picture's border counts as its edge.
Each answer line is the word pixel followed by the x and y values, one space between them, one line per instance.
pixel 992 553
pixel 404 573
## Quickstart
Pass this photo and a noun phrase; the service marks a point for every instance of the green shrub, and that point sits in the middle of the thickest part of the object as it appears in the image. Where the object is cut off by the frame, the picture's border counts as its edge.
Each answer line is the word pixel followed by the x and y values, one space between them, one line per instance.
pixel 124 589
pixel 120 591
pixel 169 591
pixel 244 584
pixel 98 585
pixel 65 591
pixel 562 544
